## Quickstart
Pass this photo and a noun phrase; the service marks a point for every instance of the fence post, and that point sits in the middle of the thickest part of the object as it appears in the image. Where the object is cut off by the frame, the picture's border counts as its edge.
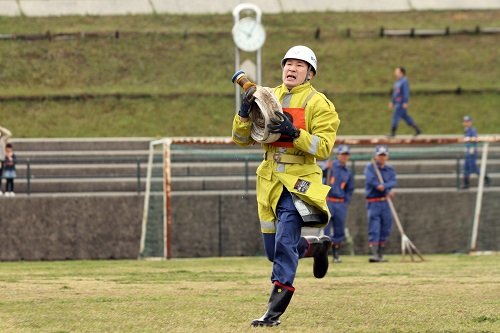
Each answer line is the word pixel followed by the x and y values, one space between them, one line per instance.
pixel 457 170
pixel 28 177
pixel 381 31
pixel 138 176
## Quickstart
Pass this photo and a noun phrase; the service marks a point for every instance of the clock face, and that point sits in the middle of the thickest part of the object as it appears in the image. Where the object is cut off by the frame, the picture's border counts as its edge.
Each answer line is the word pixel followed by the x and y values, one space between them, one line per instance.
pixel 248 34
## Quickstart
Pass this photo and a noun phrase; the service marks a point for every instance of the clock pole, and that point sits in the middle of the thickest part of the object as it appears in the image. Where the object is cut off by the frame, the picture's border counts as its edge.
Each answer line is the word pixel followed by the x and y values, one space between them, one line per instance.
pixel 246 8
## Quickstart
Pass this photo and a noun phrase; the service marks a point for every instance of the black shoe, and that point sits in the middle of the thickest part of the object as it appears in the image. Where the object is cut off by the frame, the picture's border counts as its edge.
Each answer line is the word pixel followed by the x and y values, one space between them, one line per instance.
pixel 393 133
pixel 381 249
pixel 465 186
pixel 374 251
pixel 278 302
pixel 319 249
pixel 320 266
pixel 418 131
pixel 336 249
pixel 487 181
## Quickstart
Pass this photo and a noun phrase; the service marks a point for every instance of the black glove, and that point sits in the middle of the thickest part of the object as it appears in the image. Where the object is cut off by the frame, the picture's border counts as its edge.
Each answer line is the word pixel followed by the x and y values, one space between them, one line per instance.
pixel 246 102
pixel 283 126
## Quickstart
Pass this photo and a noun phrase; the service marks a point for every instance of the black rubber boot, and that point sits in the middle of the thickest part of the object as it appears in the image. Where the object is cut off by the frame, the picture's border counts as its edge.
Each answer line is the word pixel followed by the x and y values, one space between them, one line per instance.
pixel 465 185
pixel 374 251
pixel 381 249
pixel 319 249
pixel 393 133
pixel 336 249
pixel 418 131
pixel 487 181
pixel 278 302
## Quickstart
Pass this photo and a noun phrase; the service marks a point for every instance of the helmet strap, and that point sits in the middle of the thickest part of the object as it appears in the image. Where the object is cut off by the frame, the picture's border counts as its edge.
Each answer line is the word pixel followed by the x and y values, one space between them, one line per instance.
pixel 307 74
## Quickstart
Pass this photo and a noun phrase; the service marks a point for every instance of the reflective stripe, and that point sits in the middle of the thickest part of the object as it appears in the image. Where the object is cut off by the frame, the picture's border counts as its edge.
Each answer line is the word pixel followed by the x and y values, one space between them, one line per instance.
pixel 309 98
pixel 313 148
pixel 267 227
pixel 240 138
pixel 286 100
pixel 280 167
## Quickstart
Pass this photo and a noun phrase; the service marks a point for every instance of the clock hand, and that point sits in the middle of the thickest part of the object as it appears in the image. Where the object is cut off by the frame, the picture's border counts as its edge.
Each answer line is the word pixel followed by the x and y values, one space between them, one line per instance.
pixel 246 32
pixel 253 28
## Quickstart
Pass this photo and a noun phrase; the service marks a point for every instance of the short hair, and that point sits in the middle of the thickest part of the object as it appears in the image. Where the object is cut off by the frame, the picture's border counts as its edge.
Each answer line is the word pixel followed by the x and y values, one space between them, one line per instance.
pixel 402 69
pixel 9 145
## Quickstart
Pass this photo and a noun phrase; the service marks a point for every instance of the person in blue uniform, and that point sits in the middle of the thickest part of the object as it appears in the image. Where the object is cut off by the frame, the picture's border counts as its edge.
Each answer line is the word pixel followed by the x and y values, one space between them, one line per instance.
pixel 400 102
pixel 470 165
pixel 337 175
pixel 379 211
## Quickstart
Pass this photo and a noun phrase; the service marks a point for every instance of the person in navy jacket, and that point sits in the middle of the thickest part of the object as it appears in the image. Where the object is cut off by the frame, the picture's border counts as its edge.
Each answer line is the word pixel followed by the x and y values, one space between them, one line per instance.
pixel 379 211
pixel 337 175
pixel 400 102
pixel 470 165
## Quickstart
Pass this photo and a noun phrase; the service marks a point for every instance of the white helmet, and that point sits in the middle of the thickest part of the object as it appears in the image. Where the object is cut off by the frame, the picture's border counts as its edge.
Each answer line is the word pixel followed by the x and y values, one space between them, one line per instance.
pixel 304 53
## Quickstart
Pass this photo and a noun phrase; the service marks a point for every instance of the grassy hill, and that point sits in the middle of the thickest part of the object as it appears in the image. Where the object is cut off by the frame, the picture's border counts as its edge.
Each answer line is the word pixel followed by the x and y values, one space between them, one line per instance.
pixel 192 57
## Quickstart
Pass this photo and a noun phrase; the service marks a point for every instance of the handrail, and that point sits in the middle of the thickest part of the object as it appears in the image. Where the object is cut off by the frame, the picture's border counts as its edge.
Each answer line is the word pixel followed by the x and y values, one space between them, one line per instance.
pixel 236 158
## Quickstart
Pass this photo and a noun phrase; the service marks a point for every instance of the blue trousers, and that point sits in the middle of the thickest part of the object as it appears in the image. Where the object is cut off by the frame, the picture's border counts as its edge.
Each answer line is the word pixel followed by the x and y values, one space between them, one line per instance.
pixel 470 165
pixel 379 222
pixel 286 246
pixel 401 113
pixel 336 225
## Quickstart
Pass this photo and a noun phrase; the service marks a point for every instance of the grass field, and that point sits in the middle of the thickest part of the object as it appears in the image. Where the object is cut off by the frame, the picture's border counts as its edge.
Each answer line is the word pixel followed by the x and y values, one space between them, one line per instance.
pixel 446 293
pixel 168 62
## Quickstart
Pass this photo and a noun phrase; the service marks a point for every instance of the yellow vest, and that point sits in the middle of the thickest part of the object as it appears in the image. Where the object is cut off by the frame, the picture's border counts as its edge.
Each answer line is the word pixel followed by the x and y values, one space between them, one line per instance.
pixel 316 141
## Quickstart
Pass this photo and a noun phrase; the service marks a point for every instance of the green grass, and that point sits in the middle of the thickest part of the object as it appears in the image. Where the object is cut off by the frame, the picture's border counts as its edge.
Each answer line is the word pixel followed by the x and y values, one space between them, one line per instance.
pixel 446 293
pixel 166 62
pixel 157 117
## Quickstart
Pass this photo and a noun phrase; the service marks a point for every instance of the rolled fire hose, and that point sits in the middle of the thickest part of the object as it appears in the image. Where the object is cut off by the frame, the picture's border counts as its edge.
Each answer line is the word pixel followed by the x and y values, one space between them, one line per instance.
pixel 262 109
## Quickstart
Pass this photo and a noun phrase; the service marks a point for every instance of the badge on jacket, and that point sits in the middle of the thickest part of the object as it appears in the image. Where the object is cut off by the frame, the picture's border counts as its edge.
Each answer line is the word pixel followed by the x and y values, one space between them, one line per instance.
pixel 302 185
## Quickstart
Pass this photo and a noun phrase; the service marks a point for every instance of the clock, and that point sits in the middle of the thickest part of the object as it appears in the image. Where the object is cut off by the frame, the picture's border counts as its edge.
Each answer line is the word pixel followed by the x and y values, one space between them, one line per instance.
pixel 249 34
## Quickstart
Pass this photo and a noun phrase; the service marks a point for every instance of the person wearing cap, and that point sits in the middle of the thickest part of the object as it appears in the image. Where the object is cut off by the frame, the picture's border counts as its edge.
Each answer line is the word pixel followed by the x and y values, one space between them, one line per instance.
pixel 379 211
pixel 337 175
pixel 400 101
pixel 289 188
pixel 470 158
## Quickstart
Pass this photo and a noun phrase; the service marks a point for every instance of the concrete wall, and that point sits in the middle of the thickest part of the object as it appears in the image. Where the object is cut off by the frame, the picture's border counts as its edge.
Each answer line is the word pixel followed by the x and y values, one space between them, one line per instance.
pixel 205 225
pixel 124 7
pixel 70 227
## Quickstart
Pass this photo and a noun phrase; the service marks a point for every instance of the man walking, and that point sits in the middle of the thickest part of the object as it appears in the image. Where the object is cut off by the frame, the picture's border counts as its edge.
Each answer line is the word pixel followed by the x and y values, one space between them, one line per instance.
pixel 400 102
pixel 470 158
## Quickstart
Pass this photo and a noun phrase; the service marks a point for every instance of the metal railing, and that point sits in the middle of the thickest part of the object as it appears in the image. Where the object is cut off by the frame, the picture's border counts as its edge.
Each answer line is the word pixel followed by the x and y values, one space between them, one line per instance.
pixel 244 159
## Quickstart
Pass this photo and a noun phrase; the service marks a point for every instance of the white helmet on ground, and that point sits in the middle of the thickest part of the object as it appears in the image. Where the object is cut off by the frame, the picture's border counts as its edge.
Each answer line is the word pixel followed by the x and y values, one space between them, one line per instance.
pixel 303 53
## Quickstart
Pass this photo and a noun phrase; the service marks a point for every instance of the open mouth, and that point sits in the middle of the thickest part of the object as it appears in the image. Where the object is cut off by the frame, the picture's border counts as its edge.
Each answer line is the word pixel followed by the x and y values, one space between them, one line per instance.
pixel 291 77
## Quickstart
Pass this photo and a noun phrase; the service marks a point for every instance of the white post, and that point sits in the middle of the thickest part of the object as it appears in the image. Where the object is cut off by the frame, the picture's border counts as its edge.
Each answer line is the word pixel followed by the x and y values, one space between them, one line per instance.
pixel 479 198
pixel 236 15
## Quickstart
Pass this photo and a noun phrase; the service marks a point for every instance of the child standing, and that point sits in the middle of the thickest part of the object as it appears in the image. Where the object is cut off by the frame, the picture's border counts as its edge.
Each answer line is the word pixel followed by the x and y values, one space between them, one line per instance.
pixel 9 170
pixel 5 134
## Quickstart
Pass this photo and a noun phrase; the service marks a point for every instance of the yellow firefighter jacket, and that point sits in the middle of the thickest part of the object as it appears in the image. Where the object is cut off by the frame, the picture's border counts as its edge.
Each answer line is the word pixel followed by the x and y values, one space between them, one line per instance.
pixel 318 123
